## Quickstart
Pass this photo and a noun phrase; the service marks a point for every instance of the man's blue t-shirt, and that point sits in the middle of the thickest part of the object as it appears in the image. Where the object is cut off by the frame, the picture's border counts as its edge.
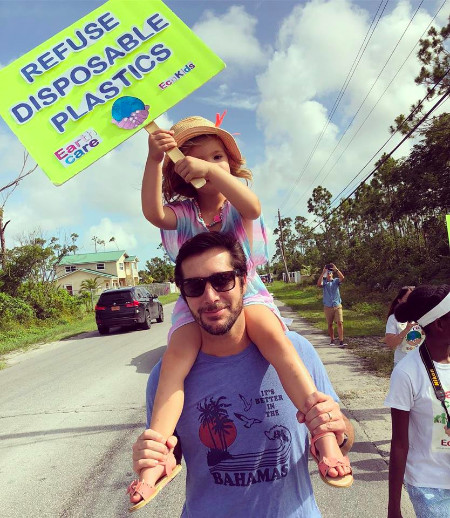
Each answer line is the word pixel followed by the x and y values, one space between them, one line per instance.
pixel 331 295
pixel 245 452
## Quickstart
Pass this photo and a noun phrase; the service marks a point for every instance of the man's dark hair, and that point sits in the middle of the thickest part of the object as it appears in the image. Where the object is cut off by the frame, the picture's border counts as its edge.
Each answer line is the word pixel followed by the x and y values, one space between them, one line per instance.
pixel 207 240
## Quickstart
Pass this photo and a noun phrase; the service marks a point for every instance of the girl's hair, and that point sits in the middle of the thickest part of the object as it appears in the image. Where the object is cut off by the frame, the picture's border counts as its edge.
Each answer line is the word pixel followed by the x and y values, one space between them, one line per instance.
pixel 402 292
pixel 175 188
pixel 422 299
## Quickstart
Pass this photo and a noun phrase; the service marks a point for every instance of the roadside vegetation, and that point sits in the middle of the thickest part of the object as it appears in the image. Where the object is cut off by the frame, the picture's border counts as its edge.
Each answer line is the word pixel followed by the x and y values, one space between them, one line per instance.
pixel 22 330
pixel 364 318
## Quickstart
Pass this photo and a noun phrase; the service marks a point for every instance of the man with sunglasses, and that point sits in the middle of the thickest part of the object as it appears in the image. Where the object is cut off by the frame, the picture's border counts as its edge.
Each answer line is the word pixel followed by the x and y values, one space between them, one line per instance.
pixel 245 451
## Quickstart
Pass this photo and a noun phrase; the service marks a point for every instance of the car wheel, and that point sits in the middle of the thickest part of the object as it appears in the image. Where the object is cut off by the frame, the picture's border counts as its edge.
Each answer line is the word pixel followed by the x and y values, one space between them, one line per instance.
pixel 160 315
pixel 147 321
pixel 103 330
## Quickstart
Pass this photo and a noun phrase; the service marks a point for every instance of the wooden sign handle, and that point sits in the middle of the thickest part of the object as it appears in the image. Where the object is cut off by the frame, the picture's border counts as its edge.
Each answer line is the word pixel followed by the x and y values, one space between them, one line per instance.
pixel 175 155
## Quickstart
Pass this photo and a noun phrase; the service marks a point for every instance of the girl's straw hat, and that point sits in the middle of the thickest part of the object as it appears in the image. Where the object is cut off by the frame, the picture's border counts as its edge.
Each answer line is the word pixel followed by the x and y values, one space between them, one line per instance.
pixel 194 126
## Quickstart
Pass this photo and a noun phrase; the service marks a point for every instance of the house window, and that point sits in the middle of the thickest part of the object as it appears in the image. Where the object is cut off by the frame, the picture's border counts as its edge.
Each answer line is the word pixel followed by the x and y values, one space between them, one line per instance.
pixel 100 266
pixel 120 266
pixel 69 288
pixel 70 269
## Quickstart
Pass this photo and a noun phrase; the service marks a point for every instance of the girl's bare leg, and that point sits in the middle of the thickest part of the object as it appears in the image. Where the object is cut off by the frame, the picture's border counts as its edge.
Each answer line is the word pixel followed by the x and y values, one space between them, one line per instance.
pixel 177 361
pixel 265 330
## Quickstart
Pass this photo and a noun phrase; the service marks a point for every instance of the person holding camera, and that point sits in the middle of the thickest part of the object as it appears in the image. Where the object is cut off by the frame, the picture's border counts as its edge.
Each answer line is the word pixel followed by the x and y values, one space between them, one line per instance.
pixel 332 303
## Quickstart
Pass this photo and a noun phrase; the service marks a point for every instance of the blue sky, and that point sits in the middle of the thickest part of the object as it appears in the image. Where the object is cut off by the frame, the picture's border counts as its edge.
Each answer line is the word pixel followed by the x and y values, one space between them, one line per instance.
pixel 286 63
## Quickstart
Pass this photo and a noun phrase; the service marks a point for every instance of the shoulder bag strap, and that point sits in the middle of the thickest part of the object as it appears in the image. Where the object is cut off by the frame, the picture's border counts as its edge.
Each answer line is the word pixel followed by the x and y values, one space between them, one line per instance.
pixel 434 378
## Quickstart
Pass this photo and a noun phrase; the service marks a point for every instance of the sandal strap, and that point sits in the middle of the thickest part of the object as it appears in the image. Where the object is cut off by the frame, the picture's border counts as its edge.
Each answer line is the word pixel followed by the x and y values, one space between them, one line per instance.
pixel 315 438
pixel 331 462
pixel 170 463
pixel 141 488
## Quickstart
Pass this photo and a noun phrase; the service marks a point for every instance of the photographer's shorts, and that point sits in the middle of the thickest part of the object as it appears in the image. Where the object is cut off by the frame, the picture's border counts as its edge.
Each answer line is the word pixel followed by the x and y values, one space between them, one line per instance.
pixel 333 314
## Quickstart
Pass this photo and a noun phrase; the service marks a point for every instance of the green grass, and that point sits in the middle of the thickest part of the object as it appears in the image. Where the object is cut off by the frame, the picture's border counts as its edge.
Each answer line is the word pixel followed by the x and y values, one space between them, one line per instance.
pixel 364 318
pixel 378 360
pixel 21 338
pixel 360 318
pixel 25 337
pixel 167 299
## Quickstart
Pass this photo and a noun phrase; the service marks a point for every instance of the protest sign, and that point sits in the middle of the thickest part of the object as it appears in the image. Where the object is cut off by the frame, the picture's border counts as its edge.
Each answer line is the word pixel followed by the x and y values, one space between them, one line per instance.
pixel 84 91
pixel 448 226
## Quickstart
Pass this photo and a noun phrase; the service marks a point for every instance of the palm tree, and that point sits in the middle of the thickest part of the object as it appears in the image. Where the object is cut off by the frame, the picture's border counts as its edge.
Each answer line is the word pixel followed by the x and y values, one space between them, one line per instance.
pixel 113 240
pixel 214 416
pixel 91 286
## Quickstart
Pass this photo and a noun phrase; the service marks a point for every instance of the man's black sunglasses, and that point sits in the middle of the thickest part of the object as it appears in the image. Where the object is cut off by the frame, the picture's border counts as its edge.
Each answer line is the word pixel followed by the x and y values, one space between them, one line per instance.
pixel 222 281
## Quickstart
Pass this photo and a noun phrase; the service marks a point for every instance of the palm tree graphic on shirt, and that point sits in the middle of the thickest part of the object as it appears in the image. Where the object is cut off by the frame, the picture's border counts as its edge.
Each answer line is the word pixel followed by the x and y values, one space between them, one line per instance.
pixel 217 430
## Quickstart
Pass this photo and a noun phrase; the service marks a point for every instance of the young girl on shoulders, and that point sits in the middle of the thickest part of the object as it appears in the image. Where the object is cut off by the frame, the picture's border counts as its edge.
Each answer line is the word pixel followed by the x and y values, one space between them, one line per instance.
pixel 223 204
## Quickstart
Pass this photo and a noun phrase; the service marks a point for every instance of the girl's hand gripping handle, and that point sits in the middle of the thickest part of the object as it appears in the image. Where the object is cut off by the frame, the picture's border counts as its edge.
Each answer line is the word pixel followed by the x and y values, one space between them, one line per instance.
pixel 175 155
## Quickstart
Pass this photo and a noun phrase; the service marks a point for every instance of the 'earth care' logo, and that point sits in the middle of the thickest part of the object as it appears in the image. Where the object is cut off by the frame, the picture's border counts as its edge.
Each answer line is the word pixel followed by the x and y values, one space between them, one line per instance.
pixel 79 147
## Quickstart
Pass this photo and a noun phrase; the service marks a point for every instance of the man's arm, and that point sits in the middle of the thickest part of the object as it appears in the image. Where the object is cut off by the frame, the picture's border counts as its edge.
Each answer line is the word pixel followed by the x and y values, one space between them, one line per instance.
pixel 338 272
pixel 320 279
pixel 319 408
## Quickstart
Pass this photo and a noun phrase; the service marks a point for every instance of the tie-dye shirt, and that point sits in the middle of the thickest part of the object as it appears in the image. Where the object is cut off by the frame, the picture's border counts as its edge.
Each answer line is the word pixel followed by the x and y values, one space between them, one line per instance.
pixel 189 225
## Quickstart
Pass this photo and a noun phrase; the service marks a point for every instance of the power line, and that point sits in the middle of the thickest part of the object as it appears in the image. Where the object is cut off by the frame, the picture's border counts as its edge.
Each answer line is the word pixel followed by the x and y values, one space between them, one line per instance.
pixel 362 103
pixel 434 107
pixel 413 112
pixel 340 95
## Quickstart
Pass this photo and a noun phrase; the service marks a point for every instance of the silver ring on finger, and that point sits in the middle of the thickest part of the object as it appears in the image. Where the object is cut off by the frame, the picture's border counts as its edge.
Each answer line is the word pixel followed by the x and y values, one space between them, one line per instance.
pixel 330 416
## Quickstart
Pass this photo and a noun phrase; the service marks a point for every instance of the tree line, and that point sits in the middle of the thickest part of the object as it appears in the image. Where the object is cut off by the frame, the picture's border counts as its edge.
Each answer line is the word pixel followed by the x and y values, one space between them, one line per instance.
pixel 392 232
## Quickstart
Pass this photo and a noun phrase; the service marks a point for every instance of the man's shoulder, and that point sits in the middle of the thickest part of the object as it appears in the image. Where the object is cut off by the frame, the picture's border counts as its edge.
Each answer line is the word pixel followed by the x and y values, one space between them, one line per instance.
pixel 297 338
pixel 301 344
pixel 153 378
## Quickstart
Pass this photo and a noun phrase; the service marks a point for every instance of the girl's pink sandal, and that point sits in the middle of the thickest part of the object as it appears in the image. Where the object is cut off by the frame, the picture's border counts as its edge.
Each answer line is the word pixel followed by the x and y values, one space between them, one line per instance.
pixel 330 462
pixel 148 492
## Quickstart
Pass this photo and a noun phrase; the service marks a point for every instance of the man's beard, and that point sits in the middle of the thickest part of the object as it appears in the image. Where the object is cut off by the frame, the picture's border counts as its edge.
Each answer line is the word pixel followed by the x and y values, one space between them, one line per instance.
pixel 223 327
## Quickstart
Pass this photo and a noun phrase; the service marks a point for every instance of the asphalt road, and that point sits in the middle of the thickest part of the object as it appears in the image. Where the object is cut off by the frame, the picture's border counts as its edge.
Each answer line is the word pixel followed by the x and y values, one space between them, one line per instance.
pixel 70 411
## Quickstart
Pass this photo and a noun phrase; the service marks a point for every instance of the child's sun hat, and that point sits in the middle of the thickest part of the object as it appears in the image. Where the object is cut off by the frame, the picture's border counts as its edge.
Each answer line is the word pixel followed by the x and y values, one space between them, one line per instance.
pixel 194 126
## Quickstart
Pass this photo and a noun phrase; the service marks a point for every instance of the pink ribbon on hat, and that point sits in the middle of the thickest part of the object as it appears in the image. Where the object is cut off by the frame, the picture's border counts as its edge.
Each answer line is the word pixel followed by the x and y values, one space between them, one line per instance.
pixel 219 120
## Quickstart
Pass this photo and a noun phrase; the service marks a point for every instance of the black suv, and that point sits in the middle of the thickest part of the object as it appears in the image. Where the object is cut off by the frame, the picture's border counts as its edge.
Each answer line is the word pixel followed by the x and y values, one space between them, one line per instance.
pixel 133 306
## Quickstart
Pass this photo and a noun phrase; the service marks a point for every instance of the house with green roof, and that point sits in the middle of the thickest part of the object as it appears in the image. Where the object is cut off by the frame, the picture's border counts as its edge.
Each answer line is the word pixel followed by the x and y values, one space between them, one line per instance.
pixel 112 269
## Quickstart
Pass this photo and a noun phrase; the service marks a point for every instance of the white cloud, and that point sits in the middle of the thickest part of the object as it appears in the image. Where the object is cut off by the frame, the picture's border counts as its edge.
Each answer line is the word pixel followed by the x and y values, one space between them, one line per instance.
pixel 301 82
pixel 123 234
pixel 232 37
pixel 224 96
pixel 297 84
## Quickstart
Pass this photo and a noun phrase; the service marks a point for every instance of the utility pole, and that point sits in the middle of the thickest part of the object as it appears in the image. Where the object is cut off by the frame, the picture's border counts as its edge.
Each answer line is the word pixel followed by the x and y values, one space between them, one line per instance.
pixel 282 247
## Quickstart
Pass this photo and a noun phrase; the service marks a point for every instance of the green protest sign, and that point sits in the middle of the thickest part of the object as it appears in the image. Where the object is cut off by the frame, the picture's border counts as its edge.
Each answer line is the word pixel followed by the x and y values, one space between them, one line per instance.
pixel 447 217
pixel 93 85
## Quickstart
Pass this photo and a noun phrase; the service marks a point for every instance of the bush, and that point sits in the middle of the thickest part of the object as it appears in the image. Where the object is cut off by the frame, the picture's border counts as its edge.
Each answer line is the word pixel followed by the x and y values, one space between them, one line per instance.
pixel 13 309
pixel 48 300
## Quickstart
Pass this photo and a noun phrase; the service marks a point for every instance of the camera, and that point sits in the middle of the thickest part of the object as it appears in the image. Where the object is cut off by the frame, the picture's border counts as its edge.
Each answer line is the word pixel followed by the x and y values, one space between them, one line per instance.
pixel 329 267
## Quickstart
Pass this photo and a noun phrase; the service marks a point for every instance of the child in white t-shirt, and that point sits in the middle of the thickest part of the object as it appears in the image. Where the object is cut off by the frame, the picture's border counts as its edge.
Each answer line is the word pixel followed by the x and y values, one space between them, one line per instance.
pixel 420 445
